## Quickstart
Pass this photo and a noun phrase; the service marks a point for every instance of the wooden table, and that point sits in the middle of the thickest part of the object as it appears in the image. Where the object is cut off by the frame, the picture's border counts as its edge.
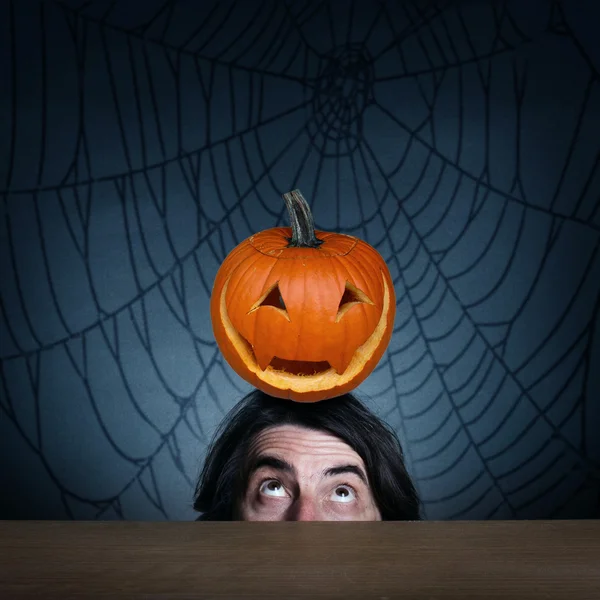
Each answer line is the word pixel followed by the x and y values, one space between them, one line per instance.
pixel 496 559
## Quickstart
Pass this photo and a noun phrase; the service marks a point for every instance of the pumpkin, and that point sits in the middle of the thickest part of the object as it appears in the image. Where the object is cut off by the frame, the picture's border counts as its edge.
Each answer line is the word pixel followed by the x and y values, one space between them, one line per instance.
pixel 301 314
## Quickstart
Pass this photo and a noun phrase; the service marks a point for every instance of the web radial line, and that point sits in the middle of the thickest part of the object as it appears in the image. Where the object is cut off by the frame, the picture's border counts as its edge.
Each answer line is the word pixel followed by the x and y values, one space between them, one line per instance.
pixel 69 225
pixel 115 99
pixel 585 424
pixel 170 47
pixel 586 483
pixel 165 437
pixel 330 23
pixel 401 163
pixel 532 422
pixel 138 101
pixel 187 319
pixel 545 447
pixel 594 170
pixel 108 314
pixel 488 246
pixel 484 379
pixel 118 364
pixel 158 504
pixel 359 196
pixel 208 37
pixel 161 289
pixel 246 29
pixel 145 340
pixel 153 100
pixel 550 242
pixel 565 314
pixel 534 455
pixel 47 270
pixel 158 165
pixel 34 382
pixel 81 143
pixel 440 449
pixel 433 194
pixel 351 12
pixel 44 96
pixel 38 453
pixel 175 66
pixel 461 490
pixel 454 408
pixel 302 164
pixel 135 202
pixel 575 41
pixel 411 29
pixel 166 5
pixel 585 333
pixel 319 4
pixel 484 83
pixel 497 356
pixel 94 405
pixel 434 36
pixel 425 409
pixel 17 279
pixel 9 328
pixel 476 501
pixel 275 47
pixel 507 268
pixel 293 56
pixel 399 407
pixel 371 29
pixel 488 186
pixel 433 310
pixel 13 95
pixel 278 44
pixel 279 214
pixel 545 492
pixel 473 213
pixel 574 139
pixel 6 403
pixel 121 193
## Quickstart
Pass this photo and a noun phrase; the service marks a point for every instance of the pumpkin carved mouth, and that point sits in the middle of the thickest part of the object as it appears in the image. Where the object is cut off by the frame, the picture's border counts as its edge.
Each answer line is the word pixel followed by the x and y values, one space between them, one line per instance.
pixel 304 376
pixel 299 367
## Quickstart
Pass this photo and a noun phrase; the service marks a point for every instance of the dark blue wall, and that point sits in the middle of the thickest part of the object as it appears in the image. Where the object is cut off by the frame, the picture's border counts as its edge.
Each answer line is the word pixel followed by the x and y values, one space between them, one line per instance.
pixel 140 142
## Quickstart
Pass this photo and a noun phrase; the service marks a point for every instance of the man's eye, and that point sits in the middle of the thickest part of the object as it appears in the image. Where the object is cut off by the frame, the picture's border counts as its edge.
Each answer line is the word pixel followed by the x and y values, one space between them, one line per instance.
pixel 272 487
pixel 343 493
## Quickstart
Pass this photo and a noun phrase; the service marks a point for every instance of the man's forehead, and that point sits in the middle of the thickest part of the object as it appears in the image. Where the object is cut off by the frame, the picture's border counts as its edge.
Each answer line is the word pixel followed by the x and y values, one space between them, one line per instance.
pixel 296 441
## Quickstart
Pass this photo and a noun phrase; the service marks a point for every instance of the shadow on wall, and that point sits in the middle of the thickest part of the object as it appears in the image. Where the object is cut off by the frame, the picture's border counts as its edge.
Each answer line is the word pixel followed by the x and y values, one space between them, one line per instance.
pixel 141 141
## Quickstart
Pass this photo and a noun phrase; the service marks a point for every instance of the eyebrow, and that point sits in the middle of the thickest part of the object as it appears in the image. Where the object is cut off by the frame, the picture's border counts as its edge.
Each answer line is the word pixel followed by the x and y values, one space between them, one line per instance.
pixel 273 462
pixel 341 469
pixel 282 465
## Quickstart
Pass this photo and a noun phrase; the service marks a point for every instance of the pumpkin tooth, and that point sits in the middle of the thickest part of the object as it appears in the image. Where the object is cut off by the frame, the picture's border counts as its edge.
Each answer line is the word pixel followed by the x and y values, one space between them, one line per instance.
pixel 340 363
pixel 263 356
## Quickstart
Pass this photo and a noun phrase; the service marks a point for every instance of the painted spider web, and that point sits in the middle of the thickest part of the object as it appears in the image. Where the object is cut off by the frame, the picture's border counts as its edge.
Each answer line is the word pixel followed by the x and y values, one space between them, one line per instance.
pixel 142 144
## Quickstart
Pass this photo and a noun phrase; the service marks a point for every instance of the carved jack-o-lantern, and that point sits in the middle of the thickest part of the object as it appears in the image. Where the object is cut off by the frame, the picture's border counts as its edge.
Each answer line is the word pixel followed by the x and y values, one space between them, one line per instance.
pixel 302 314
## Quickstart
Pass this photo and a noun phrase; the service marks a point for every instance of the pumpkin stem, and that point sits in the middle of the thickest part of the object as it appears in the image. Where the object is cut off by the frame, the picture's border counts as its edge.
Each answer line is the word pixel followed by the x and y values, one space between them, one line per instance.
pixel 301 221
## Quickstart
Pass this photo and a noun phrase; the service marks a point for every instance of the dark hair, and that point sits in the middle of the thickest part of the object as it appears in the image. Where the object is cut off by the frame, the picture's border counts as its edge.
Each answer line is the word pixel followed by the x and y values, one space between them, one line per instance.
pixel 223 480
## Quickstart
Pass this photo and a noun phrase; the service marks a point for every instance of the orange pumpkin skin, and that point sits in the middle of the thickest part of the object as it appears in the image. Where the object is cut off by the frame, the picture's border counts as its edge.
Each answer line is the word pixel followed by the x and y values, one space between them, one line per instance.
pixel 334 328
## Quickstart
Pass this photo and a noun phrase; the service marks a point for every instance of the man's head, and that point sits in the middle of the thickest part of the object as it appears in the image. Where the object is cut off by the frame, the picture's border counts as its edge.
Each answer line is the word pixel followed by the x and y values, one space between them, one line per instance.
pixel 277 460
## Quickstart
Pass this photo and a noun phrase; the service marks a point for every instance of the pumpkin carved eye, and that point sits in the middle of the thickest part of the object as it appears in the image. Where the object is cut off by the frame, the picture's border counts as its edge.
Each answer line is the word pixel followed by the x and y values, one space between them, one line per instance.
pixel 272 297
pixel 351 296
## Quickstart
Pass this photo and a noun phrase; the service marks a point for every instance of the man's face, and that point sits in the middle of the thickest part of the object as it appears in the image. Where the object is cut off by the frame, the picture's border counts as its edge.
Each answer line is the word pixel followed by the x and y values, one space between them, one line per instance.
pixel 298 474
